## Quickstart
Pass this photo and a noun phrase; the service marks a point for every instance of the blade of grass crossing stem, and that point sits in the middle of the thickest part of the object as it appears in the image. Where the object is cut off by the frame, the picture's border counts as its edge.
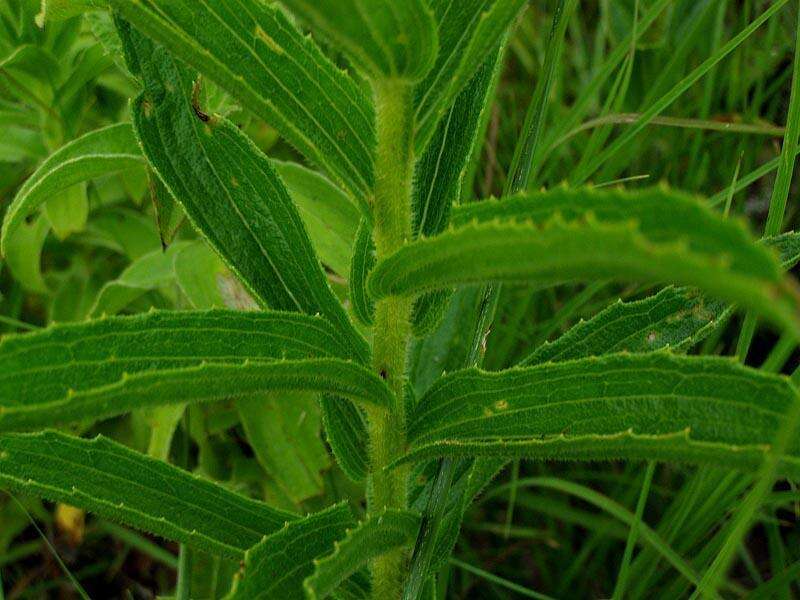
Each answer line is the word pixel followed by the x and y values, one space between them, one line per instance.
pixel 743 518
pixel 780 190
pixel 633 534
pixel 667 99
pixel 522 163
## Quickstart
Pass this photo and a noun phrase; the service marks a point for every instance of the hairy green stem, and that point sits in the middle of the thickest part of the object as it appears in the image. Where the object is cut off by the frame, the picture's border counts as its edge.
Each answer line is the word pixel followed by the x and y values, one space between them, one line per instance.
pixel 391 229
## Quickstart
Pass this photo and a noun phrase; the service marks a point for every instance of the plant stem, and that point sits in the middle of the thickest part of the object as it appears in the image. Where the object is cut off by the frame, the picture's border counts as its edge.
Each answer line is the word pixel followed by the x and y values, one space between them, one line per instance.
pixel 391 229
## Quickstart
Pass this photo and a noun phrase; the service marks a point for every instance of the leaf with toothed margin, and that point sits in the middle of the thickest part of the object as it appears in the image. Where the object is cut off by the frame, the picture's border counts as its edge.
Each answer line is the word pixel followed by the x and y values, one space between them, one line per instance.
pixel 469 31
pixel 206 382
pixel 84 356
pixel 652 236
pixel 101 152
pixel 470 477
pixel 440 172
pixel 277 566
pixel 620 406
pixel 788 247
pixel 385 39
pixel 229 191
pixel 119 484
pixel 346 432
pixel 372 538
pixel 362 264
pixel 674 318
pixel 252 50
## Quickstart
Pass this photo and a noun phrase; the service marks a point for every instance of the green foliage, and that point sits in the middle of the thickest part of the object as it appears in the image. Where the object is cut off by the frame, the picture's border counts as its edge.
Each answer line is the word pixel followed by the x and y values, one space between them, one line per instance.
pixel 123 485
pixel 107 150
pixel 585 235
pixel 375 536
pixel 278 565
pixel 619 406
pixel 382 38
pixel 364 344
pixel 363 262
pixel 254 52
pixel 675 318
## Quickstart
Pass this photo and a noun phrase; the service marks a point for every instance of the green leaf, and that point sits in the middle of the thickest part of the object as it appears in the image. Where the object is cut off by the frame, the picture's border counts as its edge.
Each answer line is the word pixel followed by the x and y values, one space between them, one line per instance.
pixel 23 254
pixel 117 483
pixel 284 435
pixel 277 566
pixel 440 173
pixel 372 538
pixel 68 211
pixel 652 236
pixel 123 230
pixel 788 247
pixel 93 355
pixel 330 216
pixel 363 262
pixel 657 405
pixel 252 50
pixel 470 478
pixel 108 150
pixel 469 31
pixel 146 273
pixel 346 429
pixel 202 383
pixel 383 38
pixel 674 318
pixel 199 273
pixel 233 196
pixel 58 10
pixel 169 214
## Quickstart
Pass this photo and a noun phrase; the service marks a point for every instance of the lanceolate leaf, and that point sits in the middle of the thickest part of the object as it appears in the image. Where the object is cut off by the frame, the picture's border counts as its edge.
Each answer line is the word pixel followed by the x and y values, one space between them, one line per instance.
pixel 706 410
pixel 329 215
pixel 673 239
pixel 346 430
pixel 100 152
pixel 363 262
pixel 277 566
pixel 122 485
pixel 146 273
pixel 284 435
pixel 440 172
pixel 469 31
pixel 203 383
pixel 229 191
pixel 389 530
pixel 252 50
pixel 87 356
pixel 675 318
pixel 384 38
